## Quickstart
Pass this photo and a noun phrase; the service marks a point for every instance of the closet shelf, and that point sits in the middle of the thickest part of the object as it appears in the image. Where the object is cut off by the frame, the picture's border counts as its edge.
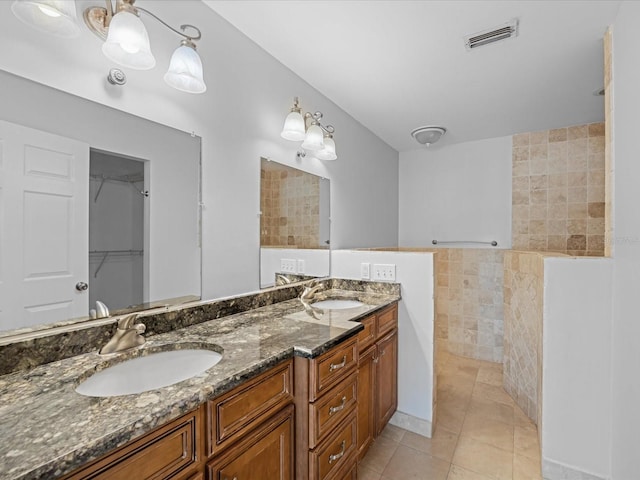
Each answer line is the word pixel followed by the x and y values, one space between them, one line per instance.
pixel 112 253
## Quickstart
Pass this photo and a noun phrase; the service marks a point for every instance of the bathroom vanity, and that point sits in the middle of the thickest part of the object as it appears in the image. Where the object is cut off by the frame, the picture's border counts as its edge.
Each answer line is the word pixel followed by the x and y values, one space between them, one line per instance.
pixel 285 401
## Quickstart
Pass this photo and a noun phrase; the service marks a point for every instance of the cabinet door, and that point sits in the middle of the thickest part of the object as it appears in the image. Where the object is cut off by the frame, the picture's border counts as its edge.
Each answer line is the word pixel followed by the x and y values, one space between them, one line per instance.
pixel 387 380
pixel 265 453
pixel 366 404
pixel 171 451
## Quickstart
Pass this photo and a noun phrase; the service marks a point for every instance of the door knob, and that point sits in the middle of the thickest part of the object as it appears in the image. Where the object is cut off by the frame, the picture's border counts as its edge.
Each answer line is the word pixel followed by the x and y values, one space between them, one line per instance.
pixel 81 286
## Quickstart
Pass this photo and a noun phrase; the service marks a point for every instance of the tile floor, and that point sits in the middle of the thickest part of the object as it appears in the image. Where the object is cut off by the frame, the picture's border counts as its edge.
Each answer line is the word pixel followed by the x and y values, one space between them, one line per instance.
pixel 480 433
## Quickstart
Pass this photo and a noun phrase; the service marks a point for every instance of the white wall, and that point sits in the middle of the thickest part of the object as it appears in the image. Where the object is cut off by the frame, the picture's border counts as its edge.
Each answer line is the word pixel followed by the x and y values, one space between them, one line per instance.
pixel 456 192
pixel 626 277
pixel 576 371
pixel 239 119
pixel 316 263
pixel 415 325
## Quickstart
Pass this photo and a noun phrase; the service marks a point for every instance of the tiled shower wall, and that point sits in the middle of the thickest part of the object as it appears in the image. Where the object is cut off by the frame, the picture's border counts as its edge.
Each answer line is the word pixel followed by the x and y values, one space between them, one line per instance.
pixel 290 203
pixel 558 194
pixel 523 294
pixel 469 302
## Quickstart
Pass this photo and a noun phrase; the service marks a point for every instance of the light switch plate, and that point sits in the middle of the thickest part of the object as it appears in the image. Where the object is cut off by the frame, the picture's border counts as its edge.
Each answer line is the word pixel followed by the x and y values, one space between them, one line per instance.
pixel 365 271
pixel 301 266
pixel 384 272
pixel 287 265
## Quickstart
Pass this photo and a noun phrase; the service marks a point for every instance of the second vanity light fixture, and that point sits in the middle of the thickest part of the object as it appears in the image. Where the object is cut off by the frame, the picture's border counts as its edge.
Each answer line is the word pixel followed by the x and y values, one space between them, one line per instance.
pixel 316 138
pixel 126 38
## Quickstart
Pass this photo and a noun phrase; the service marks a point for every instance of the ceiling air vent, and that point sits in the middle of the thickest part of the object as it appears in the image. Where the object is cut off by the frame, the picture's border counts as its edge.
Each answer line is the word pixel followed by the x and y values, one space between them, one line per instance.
pixel 486 37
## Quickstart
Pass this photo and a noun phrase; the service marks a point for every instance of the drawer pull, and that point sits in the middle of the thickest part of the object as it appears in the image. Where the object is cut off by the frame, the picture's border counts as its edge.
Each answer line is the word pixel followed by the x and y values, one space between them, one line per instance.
pixel 337 366
pixel 339 455
pixel 336 409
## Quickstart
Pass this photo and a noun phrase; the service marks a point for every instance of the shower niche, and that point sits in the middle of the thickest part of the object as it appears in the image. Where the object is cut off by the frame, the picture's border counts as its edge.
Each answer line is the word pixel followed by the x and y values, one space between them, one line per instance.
pixel 117 226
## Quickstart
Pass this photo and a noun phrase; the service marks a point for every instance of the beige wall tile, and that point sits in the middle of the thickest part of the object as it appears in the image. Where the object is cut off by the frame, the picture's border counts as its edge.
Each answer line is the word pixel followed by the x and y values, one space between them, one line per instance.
pixel 578 131
pixel 558 135
pixel 521 139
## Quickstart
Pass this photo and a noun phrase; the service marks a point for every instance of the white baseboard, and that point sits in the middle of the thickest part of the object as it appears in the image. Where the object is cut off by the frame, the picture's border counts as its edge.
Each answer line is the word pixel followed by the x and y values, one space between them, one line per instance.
pixel 557 471
pixel 411 423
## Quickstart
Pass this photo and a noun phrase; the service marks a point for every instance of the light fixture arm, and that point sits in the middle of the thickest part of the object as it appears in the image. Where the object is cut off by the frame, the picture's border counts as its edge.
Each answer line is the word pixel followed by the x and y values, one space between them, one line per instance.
pixel 184 27
pixel 315 118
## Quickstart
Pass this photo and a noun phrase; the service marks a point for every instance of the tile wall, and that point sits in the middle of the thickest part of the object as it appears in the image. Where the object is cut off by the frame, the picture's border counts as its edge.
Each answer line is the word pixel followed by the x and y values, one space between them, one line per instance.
pixel 558 190
pixel 469 303
pixel 523 308
pixel 290 203
pixel 608 164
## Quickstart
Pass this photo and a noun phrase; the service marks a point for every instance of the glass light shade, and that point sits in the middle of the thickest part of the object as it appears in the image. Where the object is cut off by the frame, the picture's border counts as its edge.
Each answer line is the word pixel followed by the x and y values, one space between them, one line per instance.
pixel 313 139
pixel 293 128
pixel 329 150
pixel 56 17
pixel 128 42
pixel 185 71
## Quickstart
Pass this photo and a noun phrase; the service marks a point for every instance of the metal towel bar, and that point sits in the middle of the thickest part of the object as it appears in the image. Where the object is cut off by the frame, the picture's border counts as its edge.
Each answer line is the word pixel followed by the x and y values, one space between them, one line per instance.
pixel 493 243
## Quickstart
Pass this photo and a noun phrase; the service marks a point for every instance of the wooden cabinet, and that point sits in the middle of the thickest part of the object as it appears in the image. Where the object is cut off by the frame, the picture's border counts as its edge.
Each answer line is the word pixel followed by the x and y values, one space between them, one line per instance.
pixel 248 429
pixel 377 376
pixel 171 451
pixel 232 415
pixel 386 380
pixel 326 398
pixel 366 399
pixel 264 453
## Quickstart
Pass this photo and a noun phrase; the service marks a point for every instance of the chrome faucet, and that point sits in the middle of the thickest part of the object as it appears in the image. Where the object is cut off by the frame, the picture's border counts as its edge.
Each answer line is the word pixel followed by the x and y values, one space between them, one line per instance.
pixel 127 336
pixel 310 290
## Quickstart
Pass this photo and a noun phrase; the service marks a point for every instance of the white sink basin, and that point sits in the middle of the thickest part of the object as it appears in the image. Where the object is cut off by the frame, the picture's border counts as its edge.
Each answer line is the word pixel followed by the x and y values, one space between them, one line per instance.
pixel 337 304
pixel 146 373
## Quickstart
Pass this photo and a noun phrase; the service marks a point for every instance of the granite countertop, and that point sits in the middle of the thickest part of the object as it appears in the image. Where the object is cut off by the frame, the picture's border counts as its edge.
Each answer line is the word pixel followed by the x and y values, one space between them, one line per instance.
pixel 47 429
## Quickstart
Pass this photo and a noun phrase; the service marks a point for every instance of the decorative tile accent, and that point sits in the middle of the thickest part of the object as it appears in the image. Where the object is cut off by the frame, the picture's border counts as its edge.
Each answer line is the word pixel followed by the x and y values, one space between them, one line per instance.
pixel 559 175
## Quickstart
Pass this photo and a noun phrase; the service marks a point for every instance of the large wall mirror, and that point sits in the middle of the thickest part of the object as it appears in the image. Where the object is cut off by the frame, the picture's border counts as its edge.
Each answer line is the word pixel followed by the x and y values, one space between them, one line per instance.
pixel 95 204
pixel 294 224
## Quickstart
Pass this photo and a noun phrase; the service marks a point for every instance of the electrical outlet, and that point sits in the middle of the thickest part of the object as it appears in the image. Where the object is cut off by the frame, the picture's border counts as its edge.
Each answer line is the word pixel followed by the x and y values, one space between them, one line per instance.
pixel 287 265
pixel 365 271
pixel 386 273
pixel 301 267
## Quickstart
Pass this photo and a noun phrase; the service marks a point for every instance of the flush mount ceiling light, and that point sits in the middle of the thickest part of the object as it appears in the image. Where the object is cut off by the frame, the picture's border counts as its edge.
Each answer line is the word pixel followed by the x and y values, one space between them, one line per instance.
pixel 126 38
pixel 428 135
pixel 315 138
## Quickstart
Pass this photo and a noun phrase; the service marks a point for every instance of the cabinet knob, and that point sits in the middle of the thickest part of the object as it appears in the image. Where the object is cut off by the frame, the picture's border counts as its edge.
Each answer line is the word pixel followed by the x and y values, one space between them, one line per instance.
pixel 81 286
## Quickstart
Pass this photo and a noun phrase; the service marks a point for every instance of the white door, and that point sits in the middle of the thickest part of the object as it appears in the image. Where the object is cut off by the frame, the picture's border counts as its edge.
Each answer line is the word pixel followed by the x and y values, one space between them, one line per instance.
pixel 44 189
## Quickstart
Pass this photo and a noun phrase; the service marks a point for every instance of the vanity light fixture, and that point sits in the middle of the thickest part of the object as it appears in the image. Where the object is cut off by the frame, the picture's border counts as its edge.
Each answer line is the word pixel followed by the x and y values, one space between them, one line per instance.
pixel 316 138
pixel 126 38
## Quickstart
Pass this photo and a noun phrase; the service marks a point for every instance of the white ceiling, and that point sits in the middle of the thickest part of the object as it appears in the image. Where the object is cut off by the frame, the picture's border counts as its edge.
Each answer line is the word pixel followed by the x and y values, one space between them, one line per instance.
pixel 397 65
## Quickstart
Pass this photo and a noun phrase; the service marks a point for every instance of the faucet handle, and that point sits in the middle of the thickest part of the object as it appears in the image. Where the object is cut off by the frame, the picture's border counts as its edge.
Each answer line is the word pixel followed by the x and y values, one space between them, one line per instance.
pixel 126 323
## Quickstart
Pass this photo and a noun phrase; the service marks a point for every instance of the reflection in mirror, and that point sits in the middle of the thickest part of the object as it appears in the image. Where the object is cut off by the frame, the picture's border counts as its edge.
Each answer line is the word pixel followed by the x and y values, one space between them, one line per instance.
pixel 117 227
pixel 294 224
pixel 76 224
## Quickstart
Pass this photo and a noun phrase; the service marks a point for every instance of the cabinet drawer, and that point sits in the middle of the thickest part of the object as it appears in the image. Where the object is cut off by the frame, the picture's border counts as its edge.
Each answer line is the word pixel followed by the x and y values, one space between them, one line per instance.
pixel 332 367
pixel 367 336
pixel 169 451
pixel 333 407
pixel 387 320
pixel 236 412
pixel 335 452
pixel 266 452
